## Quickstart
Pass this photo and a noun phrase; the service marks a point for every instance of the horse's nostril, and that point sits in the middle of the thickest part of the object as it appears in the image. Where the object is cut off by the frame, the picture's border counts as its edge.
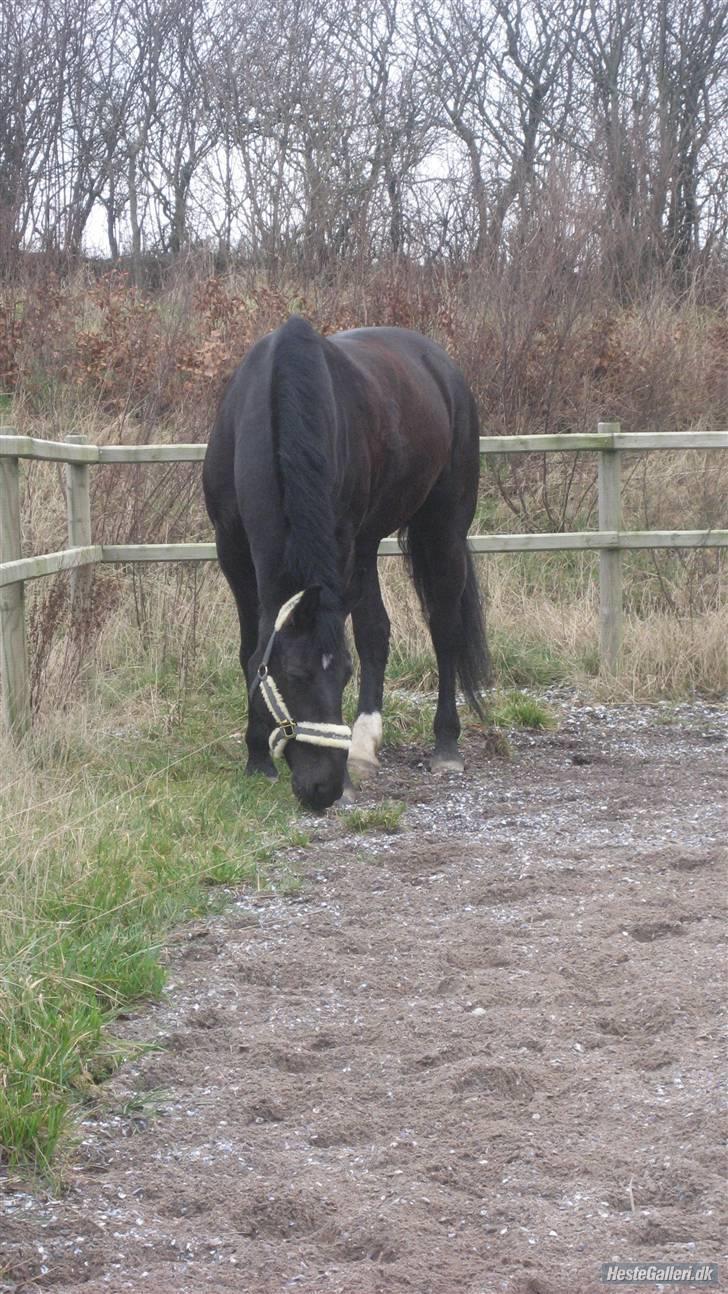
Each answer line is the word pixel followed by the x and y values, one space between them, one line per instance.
pixel 322 794
pixel 319 795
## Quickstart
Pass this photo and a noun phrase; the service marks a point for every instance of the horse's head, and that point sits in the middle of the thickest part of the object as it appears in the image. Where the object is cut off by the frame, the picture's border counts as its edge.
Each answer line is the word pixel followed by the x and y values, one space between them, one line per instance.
pixel 303 685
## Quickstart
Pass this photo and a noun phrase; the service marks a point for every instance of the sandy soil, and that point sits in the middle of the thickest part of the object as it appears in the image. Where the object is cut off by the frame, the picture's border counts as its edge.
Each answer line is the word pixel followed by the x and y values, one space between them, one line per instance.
pixel 479 1055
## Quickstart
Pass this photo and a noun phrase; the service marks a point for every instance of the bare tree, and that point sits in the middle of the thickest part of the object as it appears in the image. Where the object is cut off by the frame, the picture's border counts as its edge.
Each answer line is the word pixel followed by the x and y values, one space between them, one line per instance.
pixel 31 108
pixel 431 128
pixel 183 131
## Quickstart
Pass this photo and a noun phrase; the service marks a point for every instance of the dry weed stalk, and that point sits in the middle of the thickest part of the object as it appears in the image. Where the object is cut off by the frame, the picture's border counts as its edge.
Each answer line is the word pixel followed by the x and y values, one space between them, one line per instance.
pixel 544 348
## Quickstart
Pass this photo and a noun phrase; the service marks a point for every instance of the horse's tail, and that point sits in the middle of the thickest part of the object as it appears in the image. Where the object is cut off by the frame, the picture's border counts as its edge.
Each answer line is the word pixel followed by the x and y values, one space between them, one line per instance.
pixel 472 658
pixel 304 424
pixel 474 667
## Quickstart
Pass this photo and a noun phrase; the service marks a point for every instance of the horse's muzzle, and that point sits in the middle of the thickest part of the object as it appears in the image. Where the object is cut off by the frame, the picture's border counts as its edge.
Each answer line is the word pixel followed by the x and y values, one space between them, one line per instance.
pixel 318 795
pixel 317 776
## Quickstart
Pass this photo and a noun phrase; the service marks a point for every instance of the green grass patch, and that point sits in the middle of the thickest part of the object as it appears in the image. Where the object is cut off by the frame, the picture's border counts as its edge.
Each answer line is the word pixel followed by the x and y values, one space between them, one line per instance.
pixel 525 661
pixel 118 827
pixel 408 715
pixel 386 816
pixel 110 840
pixel 517 710
pixel 415 670
pixel 407 718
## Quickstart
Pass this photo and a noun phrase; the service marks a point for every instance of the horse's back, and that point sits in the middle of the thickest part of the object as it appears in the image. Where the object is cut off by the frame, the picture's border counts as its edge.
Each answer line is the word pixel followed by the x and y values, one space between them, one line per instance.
pixel 414 376
pixel 400 406
pixel 399 351
pixel 418 394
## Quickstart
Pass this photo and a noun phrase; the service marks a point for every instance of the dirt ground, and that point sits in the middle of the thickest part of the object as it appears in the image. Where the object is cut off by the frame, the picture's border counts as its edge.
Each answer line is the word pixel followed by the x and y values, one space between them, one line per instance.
pixel 477 1055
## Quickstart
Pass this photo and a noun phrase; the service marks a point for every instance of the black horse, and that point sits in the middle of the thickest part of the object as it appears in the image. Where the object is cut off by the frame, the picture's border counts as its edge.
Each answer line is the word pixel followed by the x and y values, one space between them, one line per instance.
pixel 321 447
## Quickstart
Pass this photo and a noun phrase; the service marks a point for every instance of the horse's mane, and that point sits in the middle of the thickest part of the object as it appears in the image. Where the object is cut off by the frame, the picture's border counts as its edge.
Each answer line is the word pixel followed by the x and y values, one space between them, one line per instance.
pixel 304 424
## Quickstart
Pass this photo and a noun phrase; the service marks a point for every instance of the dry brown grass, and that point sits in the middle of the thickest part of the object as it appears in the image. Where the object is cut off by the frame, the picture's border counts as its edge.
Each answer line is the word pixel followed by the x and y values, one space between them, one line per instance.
pixel 544 353
pixel 544 348
pixel 539 637
pixel 676 607
pixel 542 608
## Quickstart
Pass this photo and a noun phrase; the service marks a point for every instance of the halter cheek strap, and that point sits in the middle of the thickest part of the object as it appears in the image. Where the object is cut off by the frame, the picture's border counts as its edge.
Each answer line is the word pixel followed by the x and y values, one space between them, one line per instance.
pixel 333 735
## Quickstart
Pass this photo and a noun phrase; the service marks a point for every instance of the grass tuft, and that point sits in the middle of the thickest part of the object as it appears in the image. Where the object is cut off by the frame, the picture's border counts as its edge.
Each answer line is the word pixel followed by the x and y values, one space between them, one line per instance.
pixel 386 816
pixel 517 710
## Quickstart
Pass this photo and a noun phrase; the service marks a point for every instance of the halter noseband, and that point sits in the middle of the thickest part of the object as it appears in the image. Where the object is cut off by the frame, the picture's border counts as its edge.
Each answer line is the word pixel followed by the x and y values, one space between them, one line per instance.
pixel 336 735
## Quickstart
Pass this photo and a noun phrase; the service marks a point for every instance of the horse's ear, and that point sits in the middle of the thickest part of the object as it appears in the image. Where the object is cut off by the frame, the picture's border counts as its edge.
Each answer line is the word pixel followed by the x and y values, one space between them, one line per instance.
pixel 303 616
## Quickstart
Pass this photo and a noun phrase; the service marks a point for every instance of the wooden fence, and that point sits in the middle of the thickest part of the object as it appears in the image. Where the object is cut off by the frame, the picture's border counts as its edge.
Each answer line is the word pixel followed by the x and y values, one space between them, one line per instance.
pixel 610 540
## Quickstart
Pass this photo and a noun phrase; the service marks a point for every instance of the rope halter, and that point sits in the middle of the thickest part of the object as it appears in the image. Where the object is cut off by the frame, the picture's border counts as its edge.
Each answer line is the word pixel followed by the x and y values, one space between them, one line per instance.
pixel 336 736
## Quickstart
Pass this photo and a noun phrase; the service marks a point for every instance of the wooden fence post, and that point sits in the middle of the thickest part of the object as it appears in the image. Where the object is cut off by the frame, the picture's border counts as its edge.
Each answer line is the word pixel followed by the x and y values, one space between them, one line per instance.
pixel 78 512
pixel 13 646
pixel 610 559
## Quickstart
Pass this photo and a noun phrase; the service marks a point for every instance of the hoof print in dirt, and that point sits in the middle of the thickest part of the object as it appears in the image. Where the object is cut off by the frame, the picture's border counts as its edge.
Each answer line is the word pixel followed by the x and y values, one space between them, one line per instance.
pixel 648 931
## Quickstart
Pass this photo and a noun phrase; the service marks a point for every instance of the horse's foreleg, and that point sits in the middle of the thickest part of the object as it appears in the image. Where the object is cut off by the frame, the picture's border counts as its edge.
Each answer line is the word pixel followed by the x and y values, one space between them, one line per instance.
pixel 371 635
pixel 239 572
pixel 259 725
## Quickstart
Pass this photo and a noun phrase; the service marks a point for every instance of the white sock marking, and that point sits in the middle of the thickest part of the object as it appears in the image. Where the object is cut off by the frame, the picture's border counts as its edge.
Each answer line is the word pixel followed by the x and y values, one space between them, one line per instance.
pixel 366 738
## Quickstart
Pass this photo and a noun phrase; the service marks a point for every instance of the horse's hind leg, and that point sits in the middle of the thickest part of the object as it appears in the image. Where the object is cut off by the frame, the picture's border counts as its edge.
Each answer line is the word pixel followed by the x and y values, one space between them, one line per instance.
pixel 447 585
pixel 439 561
pixel 371 635
pixel 237 567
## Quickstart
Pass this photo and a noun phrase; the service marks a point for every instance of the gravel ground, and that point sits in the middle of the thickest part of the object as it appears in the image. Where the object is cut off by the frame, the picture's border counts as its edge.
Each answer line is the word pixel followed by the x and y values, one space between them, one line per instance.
pixel 480 1054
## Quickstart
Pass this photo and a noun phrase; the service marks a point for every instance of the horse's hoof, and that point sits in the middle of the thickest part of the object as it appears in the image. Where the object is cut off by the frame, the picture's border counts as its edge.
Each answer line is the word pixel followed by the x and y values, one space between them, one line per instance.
pixel 446 764
pixel 362 770
pixel 347 797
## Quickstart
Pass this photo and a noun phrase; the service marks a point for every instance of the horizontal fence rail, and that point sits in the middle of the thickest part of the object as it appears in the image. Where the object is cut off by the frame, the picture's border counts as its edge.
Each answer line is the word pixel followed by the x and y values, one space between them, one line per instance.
pixel 65 451
pixel 70 559
pixel 610 540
